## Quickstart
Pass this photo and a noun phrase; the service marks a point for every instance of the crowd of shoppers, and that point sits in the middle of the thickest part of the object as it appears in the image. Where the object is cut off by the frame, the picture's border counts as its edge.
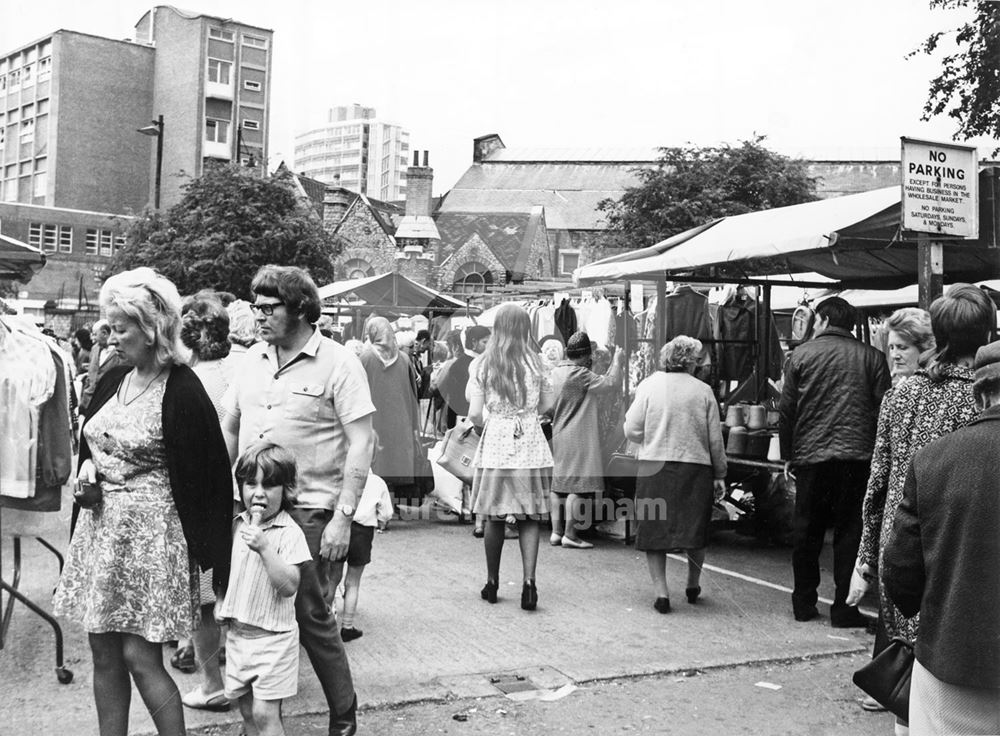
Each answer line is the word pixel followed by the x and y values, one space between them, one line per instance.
pixel 879 445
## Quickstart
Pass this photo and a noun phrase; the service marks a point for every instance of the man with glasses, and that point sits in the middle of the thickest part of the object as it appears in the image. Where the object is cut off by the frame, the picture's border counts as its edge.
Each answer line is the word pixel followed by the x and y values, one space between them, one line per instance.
pixel 306 393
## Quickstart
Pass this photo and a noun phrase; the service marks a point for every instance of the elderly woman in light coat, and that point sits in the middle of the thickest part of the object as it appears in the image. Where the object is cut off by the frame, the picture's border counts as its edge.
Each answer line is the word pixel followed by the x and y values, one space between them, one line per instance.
pixel 675 419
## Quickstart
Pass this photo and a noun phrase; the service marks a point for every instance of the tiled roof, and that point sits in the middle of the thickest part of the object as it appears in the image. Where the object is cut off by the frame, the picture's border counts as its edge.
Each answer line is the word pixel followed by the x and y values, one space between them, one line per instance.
pixel 568 191
pixel 503 233
pixel 314 189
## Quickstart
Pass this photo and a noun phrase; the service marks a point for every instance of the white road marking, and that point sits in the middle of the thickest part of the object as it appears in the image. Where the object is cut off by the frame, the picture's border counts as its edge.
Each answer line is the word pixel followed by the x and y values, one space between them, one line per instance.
pixel 758 581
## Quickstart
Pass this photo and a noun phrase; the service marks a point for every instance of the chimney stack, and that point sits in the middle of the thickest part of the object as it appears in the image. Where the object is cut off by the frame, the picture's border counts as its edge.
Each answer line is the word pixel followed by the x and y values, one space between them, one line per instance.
pixel 419 180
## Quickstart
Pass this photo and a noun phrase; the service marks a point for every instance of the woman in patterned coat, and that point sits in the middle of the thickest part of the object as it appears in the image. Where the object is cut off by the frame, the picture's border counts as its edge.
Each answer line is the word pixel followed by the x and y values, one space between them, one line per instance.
pixel 933 402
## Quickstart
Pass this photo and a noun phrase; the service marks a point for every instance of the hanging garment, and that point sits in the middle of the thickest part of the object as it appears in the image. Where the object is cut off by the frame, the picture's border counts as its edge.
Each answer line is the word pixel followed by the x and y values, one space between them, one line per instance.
pixel 737 321
pixel 600 322
pixel 54 455
pixel 544 322
pixel 27 381
pixel 565 319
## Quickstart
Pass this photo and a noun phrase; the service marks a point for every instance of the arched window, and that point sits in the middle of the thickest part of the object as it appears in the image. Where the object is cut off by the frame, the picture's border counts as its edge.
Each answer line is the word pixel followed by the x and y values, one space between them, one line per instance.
pixel 472 278
pixel 358 268
pixel 541 268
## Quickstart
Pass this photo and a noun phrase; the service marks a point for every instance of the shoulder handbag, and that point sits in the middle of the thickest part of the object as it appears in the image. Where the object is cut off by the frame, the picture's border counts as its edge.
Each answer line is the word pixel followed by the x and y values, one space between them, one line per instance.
pixel 458 450
pixel 887 677
pixel 623 466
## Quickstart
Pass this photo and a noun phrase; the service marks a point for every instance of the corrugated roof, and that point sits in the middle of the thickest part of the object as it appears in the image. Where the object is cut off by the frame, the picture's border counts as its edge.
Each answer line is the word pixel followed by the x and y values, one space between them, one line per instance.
pixel 637 154
pixel 568 191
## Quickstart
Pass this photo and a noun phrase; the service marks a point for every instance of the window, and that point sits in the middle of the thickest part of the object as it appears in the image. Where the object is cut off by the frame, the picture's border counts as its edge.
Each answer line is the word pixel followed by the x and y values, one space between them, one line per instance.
pixel 28 131
pixel 49 233
pixel 106 242
pixel 3 132
pixel 217 131
pixel 252 85
pixel 39 185
pixel 26 79
pixel 14 80
pixel 90 241
pixel 35 234
pixel 219 71
pixel 44 68
pixel 65 239
pixel 251 124
pixel 472 278
pixel 119 241
pixel 222 35
pixel 358 268
pixel 255 41
pixel 569 261
pixel 3 83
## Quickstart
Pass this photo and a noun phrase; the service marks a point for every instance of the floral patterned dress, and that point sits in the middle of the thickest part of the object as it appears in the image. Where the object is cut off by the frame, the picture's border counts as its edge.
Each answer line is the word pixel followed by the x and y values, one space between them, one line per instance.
pixel 127 569
pixel 513 462
pixel 913 414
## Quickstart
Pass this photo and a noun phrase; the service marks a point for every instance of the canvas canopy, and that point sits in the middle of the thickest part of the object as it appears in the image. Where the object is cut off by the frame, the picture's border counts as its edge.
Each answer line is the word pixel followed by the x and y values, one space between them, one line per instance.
pixel 854 240
pixel 19 261
pixel 392 291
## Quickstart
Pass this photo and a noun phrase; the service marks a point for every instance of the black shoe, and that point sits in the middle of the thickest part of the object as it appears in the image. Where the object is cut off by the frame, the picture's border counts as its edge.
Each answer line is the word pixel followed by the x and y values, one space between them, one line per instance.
pixel 692 594
pixel 489 591
pixel 478 532
pixel 852 619
pixel 806 614
pixel 662 605
pixel 529 595
pixel 345 724
pixel 349 633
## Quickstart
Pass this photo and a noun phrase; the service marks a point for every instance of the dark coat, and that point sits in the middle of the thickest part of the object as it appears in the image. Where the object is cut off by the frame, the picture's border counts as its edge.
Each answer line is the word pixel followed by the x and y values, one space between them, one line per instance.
pixel 829 405
pixel 197 463
pixel 943 556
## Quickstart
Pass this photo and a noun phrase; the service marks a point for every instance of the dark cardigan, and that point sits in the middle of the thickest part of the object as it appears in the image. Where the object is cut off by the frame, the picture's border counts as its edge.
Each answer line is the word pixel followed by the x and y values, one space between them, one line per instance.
pixel 197 464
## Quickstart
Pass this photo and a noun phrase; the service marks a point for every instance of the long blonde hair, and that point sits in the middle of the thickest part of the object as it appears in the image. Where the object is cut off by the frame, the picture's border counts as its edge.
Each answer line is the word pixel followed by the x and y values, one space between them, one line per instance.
pixel 508 357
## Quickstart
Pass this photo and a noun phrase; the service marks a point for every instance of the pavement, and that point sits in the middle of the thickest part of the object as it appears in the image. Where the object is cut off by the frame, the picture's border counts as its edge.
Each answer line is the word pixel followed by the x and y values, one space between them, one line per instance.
pixel 429 638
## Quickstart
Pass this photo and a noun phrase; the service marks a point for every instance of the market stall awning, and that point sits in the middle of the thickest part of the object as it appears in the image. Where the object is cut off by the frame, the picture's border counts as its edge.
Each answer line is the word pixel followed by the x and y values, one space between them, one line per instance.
pixel 854 240
pixel 391 291
pixel 19 261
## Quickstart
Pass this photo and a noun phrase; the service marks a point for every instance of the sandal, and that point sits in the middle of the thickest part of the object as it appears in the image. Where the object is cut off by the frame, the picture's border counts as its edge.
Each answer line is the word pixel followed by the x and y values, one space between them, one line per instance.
pixel 183 659
pixel 197 698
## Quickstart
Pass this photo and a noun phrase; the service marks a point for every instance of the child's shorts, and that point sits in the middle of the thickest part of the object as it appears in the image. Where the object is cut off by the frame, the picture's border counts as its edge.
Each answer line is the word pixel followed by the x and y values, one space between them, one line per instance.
pixel 265 662
pixel 359 551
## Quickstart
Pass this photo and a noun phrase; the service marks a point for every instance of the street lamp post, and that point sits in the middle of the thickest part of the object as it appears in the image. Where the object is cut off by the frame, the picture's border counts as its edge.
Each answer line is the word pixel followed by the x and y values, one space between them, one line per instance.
pixel 156 129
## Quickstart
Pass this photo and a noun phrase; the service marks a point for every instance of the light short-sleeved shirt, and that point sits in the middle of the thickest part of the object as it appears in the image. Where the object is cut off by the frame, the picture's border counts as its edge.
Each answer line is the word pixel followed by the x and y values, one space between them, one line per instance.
pixel 251 598
pixel 302 406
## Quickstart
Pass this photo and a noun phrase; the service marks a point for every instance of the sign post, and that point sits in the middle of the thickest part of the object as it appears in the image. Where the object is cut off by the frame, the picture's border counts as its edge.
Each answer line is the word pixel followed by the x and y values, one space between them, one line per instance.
pixel 940 197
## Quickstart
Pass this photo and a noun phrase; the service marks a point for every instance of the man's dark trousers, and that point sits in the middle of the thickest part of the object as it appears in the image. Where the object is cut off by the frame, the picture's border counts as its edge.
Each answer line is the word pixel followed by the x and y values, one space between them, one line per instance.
pixel 827 493
pixel 318 631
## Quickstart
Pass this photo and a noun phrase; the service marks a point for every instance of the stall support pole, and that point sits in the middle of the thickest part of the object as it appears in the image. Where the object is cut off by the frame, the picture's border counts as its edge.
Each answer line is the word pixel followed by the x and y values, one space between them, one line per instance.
pixel 931 270
pixel 763 342
pixel 661 314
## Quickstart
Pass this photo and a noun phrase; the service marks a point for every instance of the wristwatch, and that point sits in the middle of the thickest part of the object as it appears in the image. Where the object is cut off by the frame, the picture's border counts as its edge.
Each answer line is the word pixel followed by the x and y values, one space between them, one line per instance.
pixel 346 509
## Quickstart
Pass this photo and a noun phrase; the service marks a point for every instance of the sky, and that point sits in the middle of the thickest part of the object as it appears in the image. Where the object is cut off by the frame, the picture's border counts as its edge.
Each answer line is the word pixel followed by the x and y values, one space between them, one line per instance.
pixel 819 79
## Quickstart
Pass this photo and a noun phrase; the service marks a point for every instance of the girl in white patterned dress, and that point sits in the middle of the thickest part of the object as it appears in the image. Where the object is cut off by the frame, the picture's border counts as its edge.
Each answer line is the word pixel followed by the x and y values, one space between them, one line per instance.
pixel 509 389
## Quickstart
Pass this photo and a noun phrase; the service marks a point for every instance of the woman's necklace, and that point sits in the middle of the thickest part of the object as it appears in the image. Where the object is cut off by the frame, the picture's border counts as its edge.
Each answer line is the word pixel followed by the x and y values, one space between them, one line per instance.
pixel 127 401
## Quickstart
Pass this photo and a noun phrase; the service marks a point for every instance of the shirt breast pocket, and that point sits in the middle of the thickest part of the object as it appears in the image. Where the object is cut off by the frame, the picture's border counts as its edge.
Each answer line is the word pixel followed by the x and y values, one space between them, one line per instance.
pixel 304 402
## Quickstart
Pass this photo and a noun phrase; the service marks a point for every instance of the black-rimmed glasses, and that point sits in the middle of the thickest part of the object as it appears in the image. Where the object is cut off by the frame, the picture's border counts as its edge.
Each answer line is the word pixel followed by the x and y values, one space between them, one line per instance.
pixel 266 309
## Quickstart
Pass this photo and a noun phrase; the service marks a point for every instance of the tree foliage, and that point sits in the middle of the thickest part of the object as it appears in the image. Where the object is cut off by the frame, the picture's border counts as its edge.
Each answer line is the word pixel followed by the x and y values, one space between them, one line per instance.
pixel 229 223
pixel 690 186
pixel 968 87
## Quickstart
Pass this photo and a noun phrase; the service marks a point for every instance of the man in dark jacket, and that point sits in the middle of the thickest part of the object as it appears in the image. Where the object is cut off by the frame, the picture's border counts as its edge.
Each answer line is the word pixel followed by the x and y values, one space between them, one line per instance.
pixel 942 561
pixel 829 409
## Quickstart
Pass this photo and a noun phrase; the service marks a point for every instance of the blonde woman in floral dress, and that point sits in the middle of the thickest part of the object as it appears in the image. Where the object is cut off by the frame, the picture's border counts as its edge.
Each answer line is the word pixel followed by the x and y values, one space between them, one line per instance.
pixel 508 390
pixel 153 445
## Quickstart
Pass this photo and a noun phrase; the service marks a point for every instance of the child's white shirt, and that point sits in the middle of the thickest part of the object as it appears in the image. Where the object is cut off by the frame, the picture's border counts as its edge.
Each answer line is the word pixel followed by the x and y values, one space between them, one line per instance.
pixel 375 504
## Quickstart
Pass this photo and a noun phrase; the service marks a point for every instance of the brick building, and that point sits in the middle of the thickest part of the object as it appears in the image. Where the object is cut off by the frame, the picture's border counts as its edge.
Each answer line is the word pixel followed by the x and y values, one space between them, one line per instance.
pixel 71 156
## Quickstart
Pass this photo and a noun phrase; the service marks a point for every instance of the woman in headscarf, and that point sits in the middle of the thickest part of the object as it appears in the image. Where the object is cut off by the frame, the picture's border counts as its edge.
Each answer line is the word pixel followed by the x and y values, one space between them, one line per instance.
pixel 394 392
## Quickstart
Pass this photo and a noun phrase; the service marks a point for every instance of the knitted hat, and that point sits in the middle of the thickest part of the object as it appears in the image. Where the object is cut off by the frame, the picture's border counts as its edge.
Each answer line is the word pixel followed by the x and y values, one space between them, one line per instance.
pixel 578 346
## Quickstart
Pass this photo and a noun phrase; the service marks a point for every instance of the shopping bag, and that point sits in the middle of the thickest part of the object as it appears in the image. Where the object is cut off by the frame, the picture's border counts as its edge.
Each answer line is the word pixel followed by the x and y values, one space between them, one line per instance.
pixel 459 449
